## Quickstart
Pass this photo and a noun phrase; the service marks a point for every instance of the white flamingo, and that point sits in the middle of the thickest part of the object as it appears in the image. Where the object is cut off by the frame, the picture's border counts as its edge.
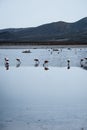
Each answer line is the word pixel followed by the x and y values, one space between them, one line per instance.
pixel 68 61
pixel 45 65
pixel 36 62
pixel 18 62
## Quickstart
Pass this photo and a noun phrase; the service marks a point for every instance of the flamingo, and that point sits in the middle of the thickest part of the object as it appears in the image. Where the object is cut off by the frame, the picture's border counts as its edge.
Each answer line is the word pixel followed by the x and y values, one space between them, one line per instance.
pixel 81 62
pixel 6 63
pixel 46 61
pixel 18 60
pixel 68 61
pixel 6 59
pixel 37 62
pixel 85 58
pixel 45 65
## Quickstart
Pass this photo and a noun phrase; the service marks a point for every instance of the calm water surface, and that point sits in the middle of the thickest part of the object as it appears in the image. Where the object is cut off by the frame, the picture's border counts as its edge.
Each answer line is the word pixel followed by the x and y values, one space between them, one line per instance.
pixel 43 94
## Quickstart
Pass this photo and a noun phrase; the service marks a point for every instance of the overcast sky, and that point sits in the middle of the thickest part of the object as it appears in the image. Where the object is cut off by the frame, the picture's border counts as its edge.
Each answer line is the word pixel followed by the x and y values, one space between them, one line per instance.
pixel 31 13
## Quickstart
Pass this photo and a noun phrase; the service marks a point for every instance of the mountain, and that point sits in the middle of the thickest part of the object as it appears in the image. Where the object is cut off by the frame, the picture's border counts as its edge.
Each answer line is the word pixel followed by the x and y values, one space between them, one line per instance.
pixel 56 31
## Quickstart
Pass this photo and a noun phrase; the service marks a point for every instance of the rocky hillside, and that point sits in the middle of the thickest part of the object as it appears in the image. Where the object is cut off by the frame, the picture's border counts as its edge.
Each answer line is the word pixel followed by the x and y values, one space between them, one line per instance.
pixel 56 31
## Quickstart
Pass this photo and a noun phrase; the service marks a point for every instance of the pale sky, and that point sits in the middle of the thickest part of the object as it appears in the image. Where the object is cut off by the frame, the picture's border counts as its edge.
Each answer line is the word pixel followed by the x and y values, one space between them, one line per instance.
pixel 32 13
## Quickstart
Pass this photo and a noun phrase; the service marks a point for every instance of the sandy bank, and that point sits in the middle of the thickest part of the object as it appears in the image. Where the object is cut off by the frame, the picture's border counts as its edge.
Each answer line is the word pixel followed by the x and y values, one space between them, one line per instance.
pixel 41 46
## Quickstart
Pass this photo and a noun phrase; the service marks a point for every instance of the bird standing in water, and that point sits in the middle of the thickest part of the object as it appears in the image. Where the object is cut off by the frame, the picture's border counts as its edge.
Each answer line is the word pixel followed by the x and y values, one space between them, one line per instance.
pixel 68 65
pixel 6 63
pixel 81 62
pixel 36 62
pixel 18 62
pixel 45 65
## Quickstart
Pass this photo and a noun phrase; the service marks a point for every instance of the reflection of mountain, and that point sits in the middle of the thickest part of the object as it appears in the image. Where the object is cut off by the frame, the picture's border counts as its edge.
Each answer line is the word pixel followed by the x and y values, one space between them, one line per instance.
pixel 57 31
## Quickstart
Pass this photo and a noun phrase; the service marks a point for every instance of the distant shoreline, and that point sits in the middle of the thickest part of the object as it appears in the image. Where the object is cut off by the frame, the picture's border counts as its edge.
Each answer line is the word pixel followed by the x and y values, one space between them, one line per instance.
pixel 41 46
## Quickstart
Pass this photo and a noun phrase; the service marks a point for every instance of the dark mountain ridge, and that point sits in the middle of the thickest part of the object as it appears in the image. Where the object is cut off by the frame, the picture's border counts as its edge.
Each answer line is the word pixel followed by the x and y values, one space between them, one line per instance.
pixel 56 31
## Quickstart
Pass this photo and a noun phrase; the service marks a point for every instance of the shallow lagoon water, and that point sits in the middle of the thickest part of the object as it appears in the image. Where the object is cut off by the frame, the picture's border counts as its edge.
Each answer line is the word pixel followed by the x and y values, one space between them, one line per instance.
pixel 57 57
pixel 32 98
